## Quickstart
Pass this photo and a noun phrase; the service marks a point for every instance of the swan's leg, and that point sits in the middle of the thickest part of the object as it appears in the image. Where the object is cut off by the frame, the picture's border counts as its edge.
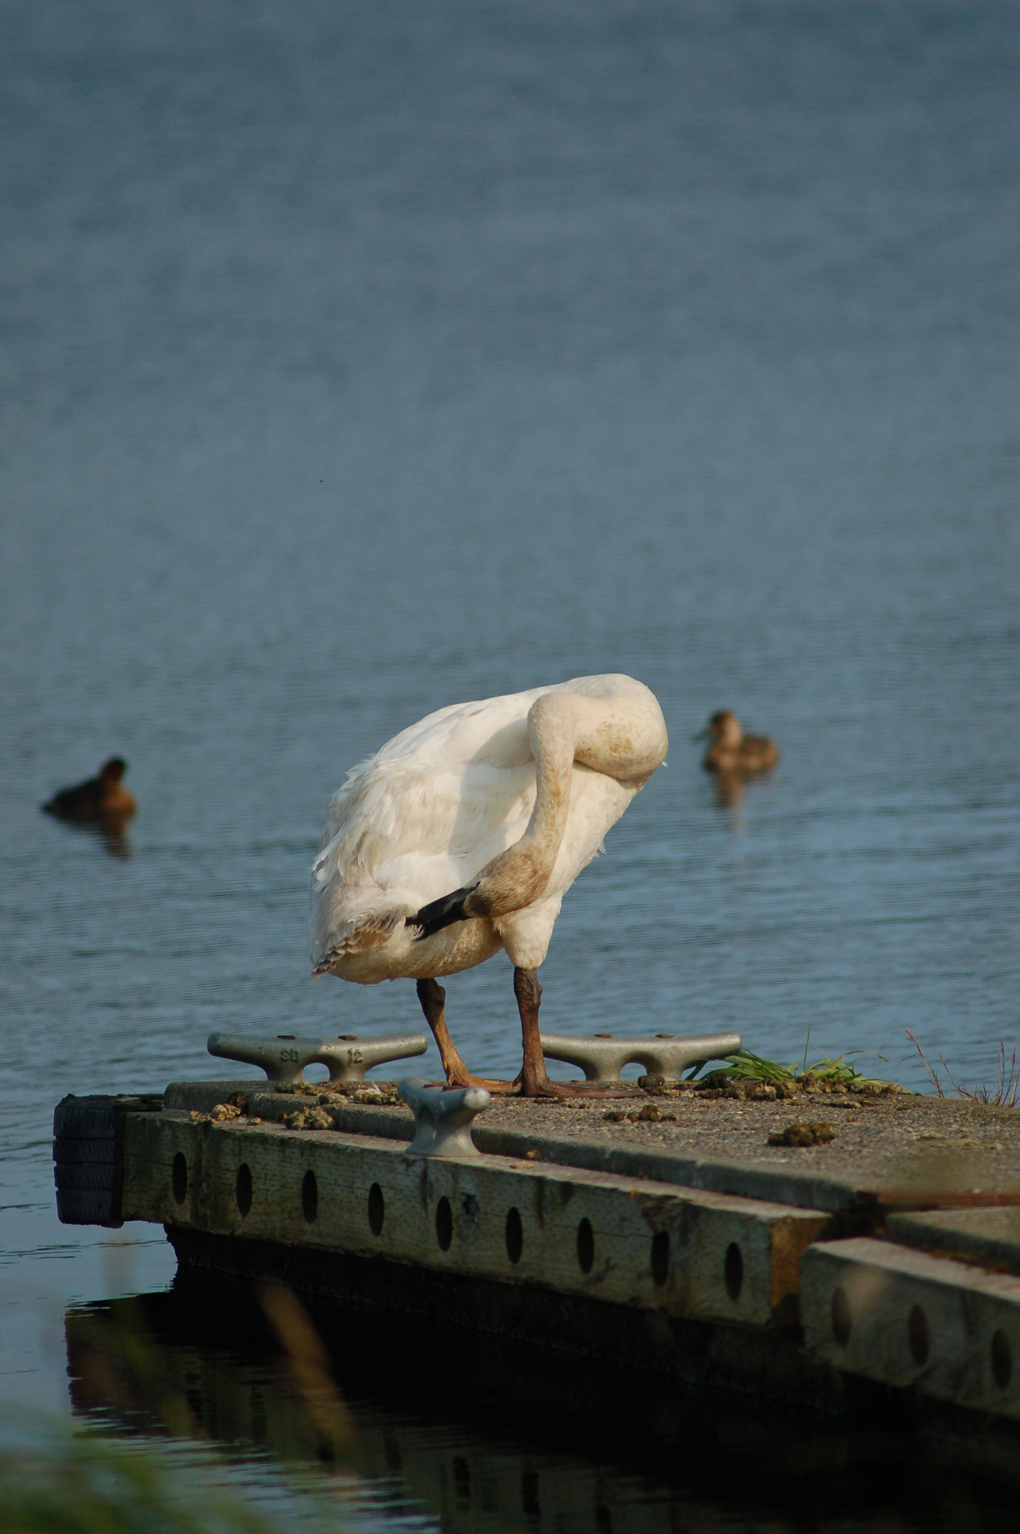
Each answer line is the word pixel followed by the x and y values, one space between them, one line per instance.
pixel 433 1004
pixel 534 1080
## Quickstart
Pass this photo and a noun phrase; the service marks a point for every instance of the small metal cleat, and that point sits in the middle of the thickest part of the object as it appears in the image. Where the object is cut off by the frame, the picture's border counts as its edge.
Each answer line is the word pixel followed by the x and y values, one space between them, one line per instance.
pixel 442 1117
pixel 284 1058
pixel 602 1057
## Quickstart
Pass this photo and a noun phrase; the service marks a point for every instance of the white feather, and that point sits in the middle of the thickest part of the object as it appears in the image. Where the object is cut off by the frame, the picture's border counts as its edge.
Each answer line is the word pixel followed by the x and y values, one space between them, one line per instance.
pixel 424 815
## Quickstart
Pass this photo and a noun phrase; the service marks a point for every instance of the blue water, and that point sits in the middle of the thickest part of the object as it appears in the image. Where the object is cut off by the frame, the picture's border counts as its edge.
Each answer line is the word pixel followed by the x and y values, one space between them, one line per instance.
pixel 361 358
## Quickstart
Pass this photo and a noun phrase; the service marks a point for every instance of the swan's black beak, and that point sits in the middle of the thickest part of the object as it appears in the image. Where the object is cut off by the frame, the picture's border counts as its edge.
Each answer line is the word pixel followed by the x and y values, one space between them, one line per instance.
pixel 441 913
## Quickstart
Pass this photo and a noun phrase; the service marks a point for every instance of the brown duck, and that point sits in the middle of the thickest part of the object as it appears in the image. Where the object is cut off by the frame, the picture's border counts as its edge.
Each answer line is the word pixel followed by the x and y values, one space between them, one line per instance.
pixel 731 751
pixel 102 798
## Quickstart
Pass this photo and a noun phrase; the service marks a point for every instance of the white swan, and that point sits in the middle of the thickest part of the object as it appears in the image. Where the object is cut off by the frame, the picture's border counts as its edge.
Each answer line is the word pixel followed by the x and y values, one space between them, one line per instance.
pixel 462 835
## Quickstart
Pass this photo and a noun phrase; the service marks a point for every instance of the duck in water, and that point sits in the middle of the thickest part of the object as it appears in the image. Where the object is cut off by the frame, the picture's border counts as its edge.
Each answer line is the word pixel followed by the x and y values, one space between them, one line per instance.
pixel 102 799
pixel 732 752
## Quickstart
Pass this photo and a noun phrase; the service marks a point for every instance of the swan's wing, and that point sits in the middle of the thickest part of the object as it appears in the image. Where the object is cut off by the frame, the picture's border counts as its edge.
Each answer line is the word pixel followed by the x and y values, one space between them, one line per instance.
pixel 415 785
pixel 393 821
pixel 420 818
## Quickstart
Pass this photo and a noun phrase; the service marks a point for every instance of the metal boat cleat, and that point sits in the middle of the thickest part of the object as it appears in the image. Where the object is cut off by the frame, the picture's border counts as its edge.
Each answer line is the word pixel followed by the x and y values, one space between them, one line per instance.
pixel 442 1117
pixel 284 1058
pixel 602 1057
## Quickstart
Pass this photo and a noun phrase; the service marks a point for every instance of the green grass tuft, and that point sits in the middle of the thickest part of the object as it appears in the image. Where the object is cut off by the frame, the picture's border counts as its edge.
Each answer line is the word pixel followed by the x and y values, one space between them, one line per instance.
pixel 744 1065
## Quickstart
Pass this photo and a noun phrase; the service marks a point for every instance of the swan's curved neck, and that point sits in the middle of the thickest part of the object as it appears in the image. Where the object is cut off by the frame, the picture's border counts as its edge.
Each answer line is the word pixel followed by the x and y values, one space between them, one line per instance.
pixel 623 742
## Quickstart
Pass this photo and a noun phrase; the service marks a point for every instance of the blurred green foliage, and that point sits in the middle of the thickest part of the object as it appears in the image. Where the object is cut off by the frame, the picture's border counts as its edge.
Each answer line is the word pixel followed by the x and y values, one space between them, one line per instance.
pixel 60 1482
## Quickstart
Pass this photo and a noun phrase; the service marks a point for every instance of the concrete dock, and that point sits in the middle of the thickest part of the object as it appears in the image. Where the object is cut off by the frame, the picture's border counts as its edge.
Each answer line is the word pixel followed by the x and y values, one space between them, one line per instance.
pixel 662 1230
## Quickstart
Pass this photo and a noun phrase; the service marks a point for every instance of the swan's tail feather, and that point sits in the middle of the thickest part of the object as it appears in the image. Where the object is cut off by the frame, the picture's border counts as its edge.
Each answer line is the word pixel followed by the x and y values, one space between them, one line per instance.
pixel 338 932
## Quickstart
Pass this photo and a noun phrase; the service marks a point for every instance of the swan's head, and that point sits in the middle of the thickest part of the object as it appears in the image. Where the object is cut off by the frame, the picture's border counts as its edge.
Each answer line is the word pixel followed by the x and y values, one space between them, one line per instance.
pixel 723 729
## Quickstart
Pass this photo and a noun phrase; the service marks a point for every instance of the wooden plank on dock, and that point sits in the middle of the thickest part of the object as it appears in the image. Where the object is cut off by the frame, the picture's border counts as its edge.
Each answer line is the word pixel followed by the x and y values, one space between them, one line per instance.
pixel 988 1237
pixel 636 1242
pixel 895 1152
pixel 910 1319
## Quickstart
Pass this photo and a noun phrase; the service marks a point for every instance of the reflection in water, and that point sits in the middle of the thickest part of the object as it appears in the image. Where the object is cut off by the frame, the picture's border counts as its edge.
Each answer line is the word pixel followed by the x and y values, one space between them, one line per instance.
pixel 109 830
pixel 475 1434
pixel 729 789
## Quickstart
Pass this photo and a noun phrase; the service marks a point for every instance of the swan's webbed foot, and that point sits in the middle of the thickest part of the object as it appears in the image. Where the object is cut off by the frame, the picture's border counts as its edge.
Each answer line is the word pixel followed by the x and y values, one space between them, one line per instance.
pixel 465 1079
pixel 540 1084
pixel 441 913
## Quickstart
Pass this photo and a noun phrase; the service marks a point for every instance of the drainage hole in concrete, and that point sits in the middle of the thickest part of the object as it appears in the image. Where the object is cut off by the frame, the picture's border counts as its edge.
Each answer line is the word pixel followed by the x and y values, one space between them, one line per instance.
pixel 462 1478
pixel 310 1197
pixel 1002 1359
pixel 841 1318
pixel 529 1492
pixel 514 1235
pixel 660 1257
pixel 733 1271
pixel 444 1224
pixel 585 1246
pixel 917 1327
pixel 376 1209
pixel 242 1188
pixel 179 1177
